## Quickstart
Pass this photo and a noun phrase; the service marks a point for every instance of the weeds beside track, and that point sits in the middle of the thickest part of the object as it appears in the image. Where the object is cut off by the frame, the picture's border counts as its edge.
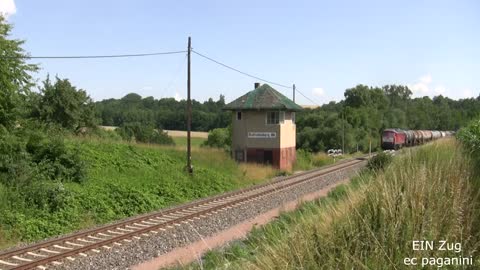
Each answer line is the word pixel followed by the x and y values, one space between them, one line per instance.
pixel 427 194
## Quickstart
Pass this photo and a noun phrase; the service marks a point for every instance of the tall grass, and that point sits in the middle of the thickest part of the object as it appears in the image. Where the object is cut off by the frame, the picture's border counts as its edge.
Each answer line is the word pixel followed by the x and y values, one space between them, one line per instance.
pixel 124 179
pixel 426 194
pixel 306 160
pixel 182 141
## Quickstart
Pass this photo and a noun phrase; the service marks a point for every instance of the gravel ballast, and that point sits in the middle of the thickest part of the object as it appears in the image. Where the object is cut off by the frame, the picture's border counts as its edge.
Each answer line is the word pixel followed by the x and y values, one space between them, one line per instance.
pixel 148 247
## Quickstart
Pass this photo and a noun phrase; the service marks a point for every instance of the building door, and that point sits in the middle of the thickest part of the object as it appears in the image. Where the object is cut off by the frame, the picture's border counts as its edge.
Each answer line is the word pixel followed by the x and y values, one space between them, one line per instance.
pixel 268 157
pixel 259 156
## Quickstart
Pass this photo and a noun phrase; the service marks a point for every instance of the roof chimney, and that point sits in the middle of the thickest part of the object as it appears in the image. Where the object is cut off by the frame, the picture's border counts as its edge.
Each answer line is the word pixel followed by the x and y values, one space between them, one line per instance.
pixel 257 84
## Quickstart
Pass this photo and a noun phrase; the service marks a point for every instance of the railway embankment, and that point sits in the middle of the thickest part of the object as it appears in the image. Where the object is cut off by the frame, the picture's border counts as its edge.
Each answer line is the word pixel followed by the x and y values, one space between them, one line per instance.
pixel 134 240
pixel 423 210
pixel 120 180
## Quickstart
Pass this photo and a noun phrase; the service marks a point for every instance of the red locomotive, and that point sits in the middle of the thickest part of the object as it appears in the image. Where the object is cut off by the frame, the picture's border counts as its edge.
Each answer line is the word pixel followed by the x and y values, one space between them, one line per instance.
pixel 395 138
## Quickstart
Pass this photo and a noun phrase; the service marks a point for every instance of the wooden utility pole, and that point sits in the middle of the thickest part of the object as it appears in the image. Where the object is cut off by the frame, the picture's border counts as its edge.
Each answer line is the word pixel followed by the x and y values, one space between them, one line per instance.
pixel 343 131
pixel 189 112
pixel 293 93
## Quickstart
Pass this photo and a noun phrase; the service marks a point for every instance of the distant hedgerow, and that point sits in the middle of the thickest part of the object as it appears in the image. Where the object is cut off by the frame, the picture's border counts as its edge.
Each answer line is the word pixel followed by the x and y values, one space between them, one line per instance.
pixel 144 133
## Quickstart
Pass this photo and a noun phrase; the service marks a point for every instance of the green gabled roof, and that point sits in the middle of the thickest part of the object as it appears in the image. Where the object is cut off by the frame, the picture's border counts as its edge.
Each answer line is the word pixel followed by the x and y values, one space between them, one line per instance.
pixel 263 98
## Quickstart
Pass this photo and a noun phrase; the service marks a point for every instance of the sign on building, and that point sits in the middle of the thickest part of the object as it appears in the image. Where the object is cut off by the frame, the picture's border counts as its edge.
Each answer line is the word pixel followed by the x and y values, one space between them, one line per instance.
pixel 262 135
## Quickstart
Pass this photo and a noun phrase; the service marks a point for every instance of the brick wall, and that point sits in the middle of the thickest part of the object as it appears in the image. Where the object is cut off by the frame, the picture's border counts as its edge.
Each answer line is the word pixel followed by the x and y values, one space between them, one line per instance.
pixel 282 158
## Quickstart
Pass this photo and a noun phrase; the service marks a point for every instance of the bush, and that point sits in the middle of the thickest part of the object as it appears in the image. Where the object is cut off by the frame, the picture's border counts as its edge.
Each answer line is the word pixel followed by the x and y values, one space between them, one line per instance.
pixel 379 162
pixel 470 138
pixel 220 138
pixel 15 163
pixel 100 133
pixel 54 160
pixel 48 195
pixel 161 137
pixel 144 133
pixel 27 156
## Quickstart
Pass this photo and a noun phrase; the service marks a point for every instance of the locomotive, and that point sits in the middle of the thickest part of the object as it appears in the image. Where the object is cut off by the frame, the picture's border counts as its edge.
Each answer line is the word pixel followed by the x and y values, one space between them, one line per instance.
pixel 395 138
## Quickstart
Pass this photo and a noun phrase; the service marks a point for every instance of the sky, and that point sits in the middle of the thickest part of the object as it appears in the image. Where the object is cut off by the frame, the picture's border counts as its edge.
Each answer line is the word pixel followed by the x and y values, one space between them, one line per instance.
pixel 323 47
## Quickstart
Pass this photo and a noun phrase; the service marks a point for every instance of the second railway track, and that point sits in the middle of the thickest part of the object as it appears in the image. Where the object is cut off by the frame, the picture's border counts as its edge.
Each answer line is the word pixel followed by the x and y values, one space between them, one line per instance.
pixel 53 252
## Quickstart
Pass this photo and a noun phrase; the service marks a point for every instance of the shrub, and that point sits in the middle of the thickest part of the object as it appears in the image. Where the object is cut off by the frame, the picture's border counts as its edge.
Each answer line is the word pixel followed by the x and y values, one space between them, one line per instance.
pixel 15 163
pixel 48 195
pixel 379 161
pixel 99 133
pixel 54 160
pixel 144 133
pixel 220 138
pixel 470 138
pixel 27 156
pixel 161 137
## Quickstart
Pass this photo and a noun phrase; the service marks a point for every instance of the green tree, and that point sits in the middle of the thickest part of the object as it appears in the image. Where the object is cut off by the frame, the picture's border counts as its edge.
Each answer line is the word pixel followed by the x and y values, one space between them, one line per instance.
pixel 220 138
pixel 166 113
pixel 63 104
pixel 15 79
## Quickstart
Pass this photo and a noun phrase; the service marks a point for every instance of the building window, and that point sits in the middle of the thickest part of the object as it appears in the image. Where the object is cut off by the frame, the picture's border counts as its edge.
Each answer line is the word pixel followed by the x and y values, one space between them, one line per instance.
pixel 273 118
pixel 239 155
pixel 239 115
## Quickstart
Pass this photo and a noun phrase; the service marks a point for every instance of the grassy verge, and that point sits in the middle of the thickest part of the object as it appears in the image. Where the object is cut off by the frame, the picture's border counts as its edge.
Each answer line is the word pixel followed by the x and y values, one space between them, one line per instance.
pixel 427 194
pixel 307 161
pixel 122 180
pixel 182 141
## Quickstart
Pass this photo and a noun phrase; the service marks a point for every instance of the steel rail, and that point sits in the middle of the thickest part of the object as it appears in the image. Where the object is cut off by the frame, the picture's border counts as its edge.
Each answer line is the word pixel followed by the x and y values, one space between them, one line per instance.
pixel 22 250
pixel 310 175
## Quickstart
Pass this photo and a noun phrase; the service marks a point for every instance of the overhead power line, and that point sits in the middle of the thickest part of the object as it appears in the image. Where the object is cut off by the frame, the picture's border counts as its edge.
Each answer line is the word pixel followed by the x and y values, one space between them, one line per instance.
pixel 91 56
pixel 314 102
pixel 155 54
pixel 239 71
pixel 255 77
pixel 176 75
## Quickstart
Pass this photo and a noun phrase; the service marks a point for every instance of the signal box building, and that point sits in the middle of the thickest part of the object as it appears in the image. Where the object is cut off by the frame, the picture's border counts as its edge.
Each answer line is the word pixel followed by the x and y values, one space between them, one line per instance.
pixel 263 122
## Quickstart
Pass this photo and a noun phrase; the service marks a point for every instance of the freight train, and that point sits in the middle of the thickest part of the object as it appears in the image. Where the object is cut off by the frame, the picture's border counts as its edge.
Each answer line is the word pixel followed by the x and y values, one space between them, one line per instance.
pixel 395 138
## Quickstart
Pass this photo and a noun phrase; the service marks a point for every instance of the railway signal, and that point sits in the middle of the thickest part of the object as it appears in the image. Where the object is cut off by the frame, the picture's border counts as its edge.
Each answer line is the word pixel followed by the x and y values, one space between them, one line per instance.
pixel 335 153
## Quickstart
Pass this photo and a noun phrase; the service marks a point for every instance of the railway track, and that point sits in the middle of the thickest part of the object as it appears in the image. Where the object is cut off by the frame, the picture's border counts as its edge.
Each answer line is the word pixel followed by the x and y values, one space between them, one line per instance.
pixel 57 251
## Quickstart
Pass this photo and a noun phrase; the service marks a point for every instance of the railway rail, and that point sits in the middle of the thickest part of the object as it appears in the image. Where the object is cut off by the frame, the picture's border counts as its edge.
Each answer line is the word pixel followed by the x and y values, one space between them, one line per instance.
pixel 59 250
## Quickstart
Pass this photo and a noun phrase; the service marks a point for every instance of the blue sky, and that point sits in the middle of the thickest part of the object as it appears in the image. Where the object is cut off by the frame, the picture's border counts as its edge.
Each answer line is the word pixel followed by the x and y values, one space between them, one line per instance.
pixel 324 47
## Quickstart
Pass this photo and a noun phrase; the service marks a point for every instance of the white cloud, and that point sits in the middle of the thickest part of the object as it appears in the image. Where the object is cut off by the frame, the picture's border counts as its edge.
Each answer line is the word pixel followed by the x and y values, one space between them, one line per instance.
pixel 422 86
pixel 178 97
pixel 7 8
pixel 467 93
pixel 440 90
pixel 319 92
pixel 426 79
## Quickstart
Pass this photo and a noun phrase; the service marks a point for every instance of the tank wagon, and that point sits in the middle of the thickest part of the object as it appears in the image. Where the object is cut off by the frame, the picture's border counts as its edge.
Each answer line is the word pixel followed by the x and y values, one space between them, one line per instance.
pixel 395 138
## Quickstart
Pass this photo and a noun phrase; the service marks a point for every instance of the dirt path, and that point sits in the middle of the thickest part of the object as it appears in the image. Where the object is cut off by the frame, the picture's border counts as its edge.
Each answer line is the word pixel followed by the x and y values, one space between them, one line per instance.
pixel 194 251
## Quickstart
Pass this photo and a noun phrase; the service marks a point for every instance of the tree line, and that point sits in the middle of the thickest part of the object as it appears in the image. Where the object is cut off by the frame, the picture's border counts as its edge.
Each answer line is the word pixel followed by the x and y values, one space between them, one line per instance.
pixel 360 118
pixel 355 122
pixel 165 113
